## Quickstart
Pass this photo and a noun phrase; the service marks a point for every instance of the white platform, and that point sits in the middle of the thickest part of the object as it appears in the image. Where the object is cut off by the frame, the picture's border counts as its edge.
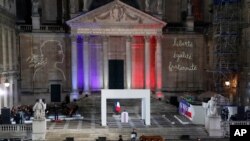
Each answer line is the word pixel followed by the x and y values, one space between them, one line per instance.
pixel 143 94
pixel 213 126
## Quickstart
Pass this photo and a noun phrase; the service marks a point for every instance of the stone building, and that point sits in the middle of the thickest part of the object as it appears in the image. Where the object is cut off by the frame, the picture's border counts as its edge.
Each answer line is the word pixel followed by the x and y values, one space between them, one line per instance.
pixel 8 51
pixel 78 47
pixel 146 54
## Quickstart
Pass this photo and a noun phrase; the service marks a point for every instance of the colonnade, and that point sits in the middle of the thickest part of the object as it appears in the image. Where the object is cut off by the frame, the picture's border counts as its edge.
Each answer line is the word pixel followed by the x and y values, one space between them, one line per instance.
pixel 105 59
pixel 8 62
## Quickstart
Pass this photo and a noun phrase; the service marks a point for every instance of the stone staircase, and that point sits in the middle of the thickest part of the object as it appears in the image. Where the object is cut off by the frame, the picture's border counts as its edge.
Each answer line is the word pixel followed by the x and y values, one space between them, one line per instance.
pixel 90 106
pixel 112 134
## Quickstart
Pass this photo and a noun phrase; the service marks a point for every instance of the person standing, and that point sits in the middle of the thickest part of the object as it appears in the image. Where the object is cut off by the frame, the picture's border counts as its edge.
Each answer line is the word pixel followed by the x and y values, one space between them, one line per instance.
pixel 56 112
pixel 133 135
pixel 120 138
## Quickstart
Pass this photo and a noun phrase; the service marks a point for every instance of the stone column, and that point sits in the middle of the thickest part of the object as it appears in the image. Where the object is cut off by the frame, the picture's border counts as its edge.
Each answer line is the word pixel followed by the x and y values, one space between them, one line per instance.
pixel 4 50
pixel 15 54
pixel 10 92
pixel 86 63
pixel 105 63
pixel 16 98
pixel 158 62
pixel 147 62
pixel 128 62
pixel 10 55
pixel 74 61
pixel 5 68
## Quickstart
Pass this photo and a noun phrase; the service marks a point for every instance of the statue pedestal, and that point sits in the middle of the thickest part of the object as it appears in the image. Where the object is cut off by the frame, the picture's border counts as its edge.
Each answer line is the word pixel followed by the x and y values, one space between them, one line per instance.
pixel 39 128
pixel 190 23
pixel 213 126
pixel 36 22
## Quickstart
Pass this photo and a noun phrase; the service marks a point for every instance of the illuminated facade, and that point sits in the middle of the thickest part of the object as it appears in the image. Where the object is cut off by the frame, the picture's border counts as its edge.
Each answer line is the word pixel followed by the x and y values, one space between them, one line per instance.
pixel 8 53
pixel 108 44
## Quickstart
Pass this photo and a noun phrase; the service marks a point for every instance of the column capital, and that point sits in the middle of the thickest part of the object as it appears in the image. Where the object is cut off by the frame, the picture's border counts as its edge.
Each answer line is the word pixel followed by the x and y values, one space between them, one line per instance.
pixel 105 38
pixel 147 38
pixel 86 37
pixel 129 38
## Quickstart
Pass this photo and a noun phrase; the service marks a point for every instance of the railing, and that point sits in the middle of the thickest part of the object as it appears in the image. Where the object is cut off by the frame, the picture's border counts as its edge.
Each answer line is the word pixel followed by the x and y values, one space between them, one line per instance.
pixel 225 126
pixel 183 29
pixel 15 131
pixel 43 28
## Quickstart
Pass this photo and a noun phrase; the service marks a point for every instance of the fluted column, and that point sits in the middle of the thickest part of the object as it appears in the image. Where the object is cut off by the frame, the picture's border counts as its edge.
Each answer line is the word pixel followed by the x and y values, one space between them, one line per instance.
pixel 10 62
pixel 5 68
pixel 4 50
pixel 10 92
pixel 147 62
pixel 86 63
pixel 10 55
pixel 158 62
pixel 105 63
pixel 15 54
pixel 16 98
pixel 128 62
pixel 74 67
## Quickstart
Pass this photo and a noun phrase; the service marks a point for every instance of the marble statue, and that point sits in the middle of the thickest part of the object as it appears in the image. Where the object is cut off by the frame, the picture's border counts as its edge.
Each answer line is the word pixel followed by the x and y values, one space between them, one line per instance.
pixel 39 109
pixel 212 107
pixel 189 8
pixel 159 6
pixel 147 5
pixel 35 6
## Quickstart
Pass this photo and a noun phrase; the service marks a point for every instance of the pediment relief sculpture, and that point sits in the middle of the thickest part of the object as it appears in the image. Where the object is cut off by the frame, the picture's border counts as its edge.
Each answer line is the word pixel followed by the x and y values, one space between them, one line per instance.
pixel 117 14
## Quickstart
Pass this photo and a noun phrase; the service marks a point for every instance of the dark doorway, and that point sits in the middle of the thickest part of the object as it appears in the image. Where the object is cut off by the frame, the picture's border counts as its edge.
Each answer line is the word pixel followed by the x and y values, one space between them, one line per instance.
pixel 55 90
pixel 116 74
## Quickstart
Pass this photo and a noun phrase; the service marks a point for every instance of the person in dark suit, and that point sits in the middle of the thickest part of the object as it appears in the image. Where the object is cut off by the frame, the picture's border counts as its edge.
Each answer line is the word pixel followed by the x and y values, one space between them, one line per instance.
pixel 56 112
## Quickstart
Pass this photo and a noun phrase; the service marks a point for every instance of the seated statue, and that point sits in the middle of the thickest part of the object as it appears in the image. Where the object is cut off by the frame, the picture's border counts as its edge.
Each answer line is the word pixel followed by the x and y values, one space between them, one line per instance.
pixel 39 110
pixel 212 107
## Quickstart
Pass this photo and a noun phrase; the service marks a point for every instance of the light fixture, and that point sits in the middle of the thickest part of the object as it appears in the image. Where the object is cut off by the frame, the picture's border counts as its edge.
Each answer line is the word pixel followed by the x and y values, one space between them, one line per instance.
pixel 227 83
pixel 6 83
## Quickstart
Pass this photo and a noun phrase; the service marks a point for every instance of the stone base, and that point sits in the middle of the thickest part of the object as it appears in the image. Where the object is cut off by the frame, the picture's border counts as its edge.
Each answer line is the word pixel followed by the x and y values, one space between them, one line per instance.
pixel 35 22
pixel 190 23
pixel 213 126
pixel 39 128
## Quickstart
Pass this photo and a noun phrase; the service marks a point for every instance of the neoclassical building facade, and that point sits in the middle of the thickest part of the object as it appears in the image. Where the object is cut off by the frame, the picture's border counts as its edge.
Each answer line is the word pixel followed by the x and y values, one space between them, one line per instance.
pixel 92 45
pixel 116 36
pixel 8 55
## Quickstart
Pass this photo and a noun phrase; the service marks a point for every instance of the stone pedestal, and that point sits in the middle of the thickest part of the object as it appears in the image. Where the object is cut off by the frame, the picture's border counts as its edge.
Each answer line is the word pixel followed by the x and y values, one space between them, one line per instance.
pixel 39 130
pixel 35 22
pixel 190 23
pixel 213 126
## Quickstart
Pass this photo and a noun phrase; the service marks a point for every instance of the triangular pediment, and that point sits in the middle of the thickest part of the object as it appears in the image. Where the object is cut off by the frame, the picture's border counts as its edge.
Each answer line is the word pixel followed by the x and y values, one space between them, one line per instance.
pixel 116 13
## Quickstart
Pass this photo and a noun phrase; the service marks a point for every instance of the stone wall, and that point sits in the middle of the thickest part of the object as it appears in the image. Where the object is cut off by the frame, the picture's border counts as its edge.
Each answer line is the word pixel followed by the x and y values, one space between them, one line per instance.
pixel 45 60
pixel 183 62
